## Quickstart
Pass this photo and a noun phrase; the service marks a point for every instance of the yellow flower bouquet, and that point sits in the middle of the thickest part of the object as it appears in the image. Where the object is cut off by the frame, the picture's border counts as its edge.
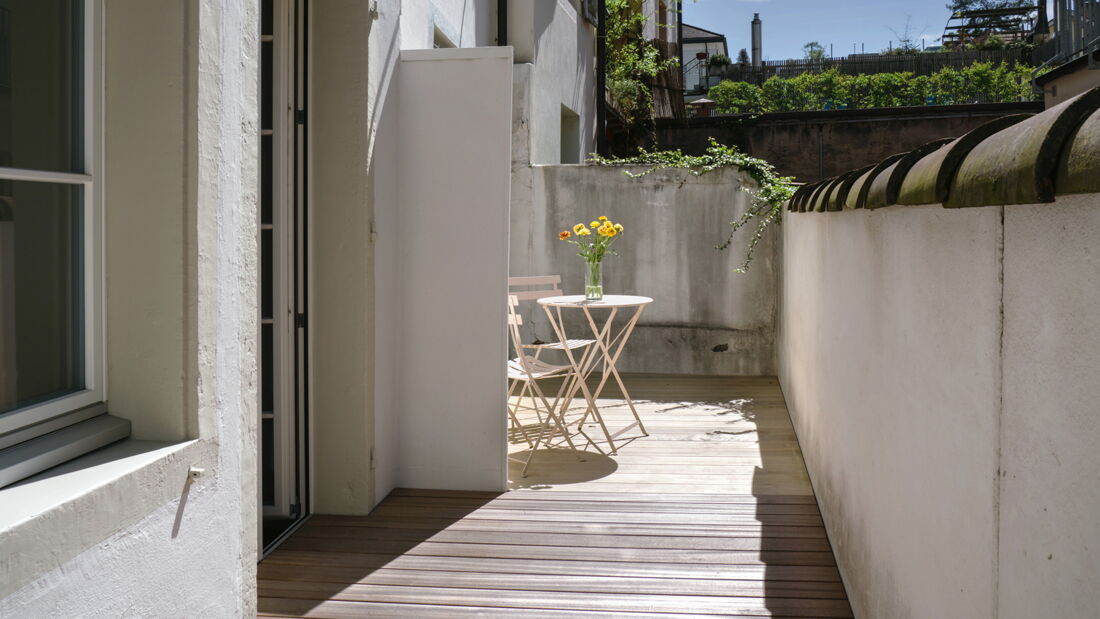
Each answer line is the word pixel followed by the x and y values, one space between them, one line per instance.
pixel 593 243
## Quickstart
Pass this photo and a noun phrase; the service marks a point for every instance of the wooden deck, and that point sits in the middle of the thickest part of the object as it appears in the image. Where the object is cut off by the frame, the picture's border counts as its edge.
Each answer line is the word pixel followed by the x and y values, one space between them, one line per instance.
pixel 710 515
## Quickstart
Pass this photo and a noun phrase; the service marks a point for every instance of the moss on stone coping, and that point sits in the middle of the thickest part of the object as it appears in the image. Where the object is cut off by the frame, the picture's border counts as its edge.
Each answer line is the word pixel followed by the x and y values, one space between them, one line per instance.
pixel 929 180
pixel 1079 161
pixel 1017 159
pixel 817 203
pixel 1017 165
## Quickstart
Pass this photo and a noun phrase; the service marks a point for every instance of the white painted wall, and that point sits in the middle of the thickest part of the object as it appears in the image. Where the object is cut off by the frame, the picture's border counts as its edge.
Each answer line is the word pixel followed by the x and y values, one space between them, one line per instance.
pixel 673 221
pixel 465 23
pixel 121 532
pixel 565 75
pixel 451 267
pixel 942 417
pixel 556 49
pixel 342 257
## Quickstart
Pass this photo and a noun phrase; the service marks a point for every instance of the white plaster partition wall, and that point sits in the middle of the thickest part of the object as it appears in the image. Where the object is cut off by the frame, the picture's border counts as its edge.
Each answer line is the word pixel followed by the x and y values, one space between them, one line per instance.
pixel 673 221
pixel 1050 497
pixel 889 361
pixel 454 155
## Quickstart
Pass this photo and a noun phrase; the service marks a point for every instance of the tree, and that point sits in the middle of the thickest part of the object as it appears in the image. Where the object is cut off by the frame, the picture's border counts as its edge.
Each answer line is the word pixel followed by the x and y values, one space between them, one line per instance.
pixel 736 98
pixel 976 5
pixel 907 40
pixel 743 56
pixel 813 50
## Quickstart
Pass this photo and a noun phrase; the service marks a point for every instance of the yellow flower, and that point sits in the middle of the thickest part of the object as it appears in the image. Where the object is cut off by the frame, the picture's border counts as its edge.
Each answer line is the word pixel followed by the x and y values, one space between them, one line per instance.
pixel 602 218
pixel 594 224
pixel 583 232
pixel 611 231
pixel 564 235
pixel 619 227
pixel 577 228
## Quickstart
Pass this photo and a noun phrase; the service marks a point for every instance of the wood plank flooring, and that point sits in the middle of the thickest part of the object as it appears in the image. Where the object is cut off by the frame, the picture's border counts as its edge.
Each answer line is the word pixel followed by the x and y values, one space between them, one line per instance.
pixel 712 514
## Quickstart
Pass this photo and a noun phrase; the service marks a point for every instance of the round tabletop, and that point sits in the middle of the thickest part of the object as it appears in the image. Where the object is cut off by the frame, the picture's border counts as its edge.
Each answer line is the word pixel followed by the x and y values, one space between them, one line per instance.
pixel 609 301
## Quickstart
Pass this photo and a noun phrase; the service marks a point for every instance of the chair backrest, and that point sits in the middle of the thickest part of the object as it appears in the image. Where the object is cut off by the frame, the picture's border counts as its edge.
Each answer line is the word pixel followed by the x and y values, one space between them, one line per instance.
pixel 515 321
pixel 533 287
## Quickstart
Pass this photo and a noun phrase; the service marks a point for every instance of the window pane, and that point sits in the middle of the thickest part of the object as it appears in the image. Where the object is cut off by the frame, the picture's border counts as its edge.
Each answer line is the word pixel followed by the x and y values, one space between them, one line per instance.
pixel 41 75
pixel 267 75
pixel 41 292
pixel 267 454
pixel 267 369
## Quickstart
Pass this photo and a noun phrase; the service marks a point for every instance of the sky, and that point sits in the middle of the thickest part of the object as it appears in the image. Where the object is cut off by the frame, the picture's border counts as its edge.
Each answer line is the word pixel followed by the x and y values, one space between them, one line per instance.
pixel 790 24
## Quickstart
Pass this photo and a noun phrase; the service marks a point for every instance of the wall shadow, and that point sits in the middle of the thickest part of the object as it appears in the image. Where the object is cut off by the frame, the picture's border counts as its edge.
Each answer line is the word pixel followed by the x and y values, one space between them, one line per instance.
pixel 330 554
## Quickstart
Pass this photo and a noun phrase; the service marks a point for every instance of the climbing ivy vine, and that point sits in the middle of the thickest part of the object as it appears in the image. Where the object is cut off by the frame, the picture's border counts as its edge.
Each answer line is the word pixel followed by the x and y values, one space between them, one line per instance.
pixel 768 198
pixel 632 61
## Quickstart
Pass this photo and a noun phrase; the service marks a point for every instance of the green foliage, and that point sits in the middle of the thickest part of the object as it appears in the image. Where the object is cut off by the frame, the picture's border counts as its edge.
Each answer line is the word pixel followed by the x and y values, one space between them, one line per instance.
pixel 740 97
pixel 719 60
pixel 632 61
pixel 768 199
pixel 973 5
pixel 982 81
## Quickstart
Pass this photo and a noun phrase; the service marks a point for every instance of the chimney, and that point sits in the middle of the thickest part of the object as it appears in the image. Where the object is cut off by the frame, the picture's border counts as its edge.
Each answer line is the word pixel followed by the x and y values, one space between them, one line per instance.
pixel 756 46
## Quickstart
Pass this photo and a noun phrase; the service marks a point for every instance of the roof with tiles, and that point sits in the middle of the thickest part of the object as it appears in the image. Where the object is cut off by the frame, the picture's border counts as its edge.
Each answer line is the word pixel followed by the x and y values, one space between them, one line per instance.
pixel 1018 159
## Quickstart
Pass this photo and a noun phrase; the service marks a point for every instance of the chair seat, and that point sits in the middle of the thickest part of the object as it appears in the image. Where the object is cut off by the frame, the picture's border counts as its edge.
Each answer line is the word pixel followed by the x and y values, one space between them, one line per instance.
pixel 570 344
pixel 539 369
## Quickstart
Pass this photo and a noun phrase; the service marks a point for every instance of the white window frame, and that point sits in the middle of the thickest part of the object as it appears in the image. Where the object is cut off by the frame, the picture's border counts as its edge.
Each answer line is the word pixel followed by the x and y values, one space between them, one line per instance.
pixel 95 380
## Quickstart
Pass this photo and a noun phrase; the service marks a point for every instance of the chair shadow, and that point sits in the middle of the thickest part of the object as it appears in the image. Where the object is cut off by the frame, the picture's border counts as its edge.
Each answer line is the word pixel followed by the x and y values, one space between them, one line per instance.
pixel 558 467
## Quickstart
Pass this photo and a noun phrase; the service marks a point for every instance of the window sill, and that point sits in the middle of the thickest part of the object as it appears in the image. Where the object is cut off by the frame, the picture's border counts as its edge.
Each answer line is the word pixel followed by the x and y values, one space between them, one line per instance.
pixel 82 502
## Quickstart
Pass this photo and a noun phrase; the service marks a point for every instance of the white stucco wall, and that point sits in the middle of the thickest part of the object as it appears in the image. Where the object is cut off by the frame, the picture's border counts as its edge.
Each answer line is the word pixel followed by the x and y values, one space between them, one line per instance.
pixel 122 531
pixel 464 23
pixel 556 49
pixel 673 221
pixel 935 431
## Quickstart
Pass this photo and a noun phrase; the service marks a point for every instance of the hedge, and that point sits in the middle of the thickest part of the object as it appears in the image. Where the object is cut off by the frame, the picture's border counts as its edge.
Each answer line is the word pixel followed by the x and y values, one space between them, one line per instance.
pixel 981 82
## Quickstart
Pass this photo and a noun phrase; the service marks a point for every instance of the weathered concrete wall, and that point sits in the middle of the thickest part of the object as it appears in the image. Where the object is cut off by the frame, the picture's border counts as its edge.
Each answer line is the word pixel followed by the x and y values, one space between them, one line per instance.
pixel 815 145
pixel 1049 497
pixel 943 414
pixel 705 318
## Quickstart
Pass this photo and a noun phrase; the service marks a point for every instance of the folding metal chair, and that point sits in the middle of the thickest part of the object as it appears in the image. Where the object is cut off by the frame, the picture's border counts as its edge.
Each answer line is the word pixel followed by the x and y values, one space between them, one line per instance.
pixel 528 370
pixel 532 288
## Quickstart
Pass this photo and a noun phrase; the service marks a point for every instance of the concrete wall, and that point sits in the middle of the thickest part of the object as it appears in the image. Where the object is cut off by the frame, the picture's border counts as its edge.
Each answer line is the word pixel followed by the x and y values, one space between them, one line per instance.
pixel 123 531
pixel 815 145
pixel 934 366
pixel 705 318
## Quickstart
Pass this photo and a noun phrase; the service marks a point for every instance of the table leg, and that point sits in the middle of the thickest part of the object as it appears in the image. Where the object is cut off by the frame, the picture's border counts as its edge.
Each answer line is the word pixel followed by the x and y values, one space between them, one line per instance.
pixel 610 359
pixel 578 368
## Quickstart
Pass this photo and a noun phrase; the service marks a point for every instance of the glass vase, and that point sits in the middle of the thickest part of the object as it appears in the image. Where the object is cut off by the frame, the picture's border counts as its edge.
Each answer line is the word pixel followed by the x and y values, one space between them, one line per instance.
pixel 593 281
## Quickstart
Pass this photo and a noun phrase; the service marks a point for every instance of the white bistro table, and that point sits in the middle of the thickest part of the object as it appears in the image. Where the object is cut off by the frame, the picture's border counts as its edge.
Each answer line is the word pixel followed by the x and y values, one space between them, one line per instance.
pixel 609 342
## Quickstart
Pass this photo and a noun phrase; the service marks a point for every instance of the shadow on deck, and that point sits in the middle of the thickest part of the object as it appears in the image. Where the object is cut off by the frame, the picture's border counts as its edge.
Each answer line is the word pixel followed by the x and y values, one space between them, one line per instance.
pixel 711 514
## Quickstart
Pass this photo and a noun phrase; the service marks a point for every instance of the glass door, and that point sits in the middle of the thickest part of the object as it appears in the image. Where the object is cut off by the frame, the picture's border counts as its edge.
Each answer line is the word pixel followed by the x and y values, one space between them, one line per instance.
pixel 282 441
